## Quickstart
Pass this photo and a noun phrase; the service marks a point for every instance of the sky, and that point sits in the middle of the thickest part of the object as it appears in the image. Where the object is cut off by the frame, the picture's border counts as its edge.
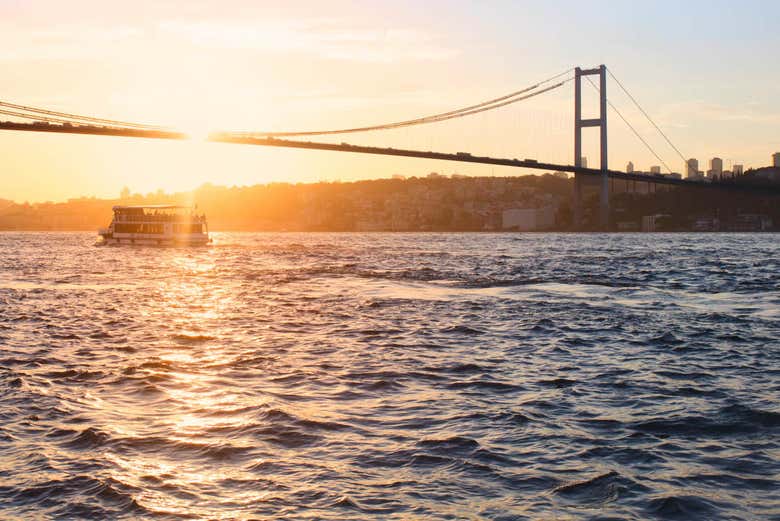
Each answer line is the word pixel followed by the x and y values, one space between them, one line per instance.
pixel 706 71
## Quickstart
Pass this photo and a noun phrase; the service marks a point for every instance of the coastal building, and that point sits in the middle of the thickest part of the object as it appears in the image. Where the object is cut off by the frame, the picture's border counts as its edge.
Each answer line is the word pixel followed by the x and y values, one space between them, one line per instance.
pixel 630 168
pixel 716 168
pixel 528 219
pixel 749 223
pixel 692 168
pixel 706 224
pixel 651 223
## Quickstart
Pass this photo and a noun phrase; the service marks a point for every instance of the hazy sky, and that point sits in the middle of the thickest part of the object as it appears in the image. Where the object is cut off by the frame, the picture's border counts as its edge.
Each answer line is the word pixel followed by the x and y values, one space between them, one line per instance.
pixel 706 70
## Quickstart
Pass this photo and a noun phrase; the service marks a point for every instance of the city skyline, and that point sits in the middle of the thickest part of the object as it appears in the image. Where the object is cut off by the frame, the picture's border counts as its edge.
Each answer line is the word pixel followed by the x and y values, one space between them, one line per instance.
pixel 305 66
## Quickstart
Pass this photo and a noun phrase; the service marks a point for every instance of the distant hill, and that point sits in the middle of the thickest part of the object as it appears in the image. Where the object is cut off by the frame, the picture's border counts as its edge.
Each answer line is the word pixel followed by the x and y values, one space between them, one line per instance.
pixel 431 203
pixel 434 202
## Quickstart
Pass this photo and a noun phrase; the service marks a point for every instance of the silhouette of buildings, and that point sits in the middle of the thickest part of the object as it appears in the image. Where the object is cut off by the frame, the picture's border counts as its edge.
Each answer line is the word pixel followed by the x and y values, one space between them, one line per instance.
pixel 692 168
pixel 776 160
pixel 716 168
pixel 630 168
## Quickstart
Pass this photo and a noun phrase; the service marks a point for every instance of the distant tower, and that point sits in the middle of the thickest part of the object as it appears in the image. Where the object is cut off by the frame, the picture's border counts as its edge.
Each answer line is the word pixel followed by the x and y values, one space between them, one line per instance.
pixel 584 162
pixel 630 168
pixel 692 168
pixel 776 159
pixel 738 170
pixel 655 169
pixel 716 167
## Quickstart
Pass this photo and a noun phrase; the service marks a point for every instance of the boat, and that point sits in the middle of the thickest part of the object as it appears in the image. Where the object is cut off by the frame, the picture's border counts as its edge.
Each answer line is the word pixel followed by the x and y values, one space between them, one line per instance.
pixel 156 225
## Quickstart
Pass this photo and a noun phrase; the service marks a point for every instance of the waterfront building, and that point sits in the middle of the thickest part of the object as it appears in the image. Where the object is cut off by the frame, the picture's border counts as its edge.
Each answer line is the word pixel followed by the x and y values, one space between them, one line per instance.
pixel 706 224
pixel 630 168
pixel 716 168
pixel 749 223
pixel 528 219
pixel 650 223
pixel 692 168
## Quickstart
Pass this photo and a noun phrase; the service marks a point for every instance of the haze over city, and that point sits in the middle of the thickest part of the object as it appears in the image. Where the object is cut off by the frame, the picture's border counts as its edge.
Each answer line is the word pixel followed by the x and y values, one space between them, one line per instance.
pixel 703 75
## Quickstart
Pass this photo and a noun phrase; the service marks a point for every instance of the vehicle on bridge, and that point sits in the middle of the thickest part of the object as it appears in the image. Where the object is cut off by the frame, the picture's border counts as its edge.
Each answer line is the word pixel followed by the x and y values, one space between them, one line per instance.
pixel 156 225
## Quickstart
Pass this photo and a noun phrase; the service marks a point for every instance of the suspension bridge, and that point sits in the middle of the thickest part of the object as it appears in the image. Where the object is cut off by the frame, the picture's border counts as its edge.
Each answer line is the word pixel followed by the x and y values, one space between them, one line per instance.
pixel 35 119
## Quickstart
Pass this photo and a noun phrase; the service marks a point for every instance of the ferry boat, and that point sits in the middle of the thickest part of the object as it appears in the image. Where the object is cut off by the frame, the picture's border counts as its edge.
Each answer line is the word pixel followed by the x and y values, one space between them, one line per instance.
pixel 156 225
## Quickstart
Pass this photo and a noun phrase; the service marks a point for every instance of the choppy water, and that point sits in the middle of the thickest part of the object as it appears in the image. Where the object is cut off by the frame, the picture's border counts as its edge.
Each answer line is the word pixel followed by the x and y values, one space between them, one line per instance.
pixel 382 376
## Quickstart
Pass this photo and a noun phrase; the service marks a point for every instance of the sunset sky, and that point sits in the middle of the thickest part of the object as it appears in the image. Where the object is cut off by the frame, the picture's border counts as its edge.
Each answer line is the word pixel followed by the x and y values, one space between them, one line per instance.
pixel 706 70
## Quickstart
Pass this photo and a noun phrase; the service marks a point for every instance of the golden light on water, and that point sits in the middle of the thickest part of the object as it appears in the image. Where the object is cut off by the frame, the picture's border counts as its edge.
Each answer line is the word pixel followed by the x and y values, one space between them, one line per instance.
pixel 378 376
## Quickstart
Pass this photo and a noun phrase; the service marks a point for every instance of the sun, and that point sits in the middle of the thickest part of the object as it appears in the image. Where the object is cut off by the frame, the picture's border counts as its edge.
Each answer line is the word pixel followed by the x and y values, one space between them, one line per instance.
pixel 197 132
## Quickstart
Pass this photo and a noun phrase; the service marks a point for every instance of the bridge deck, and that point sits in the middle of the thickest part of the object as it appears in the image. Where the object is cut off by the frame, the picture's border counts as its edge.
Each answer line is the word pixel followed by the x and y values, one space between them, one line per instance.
pixel 345 147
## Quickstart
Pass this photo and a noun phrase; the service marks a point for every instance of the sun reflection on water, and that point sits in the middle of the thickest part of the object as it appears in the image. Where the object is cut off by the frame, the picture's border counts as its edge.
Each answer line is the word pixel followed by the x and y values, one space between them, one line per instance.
pixel 376 376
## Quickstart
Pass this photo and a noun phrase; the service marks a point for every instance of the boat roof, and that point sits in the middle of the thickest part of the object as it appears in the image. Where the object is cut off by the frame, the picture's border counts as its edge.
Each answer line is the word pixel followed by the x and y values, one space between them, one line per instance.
pixel 152 206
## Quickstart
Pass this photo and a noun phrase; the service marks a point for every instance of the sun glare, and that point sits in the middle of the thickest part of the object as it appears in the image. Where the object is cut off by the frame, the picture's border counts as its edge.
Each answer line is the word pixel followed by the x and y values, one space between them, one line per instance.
pixel 198 133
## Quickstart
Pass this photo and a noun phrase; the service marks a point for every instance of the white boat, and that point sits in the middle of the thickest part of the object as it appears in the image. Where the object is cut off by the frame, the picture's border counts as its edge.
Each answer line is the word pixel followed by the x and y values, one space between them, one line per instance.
pixel 156 225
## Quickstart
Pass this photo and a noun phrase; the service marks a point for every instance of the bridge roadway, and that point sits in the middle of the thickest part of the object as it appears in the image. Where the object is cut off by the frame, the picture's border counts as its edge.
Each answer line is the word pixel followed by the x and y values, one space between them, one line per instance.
pixel 247 139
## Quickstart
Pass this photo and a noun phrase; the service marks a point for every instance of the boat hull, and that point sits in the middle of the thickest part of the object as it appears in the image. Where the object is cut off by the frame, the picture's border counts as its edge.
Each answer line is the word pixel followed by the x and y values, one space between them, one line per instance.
pixel 114 241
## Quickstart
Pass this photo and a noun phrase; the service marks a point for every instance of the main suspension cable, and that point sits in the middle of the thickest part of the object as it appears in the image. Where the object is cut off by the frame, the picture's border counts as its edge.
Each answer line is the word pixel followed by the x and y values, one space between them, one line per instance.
pixel 35 113
pixel 631 127
pixel 75 118
pixel 648 117
pixel 495 103
pixel 36 117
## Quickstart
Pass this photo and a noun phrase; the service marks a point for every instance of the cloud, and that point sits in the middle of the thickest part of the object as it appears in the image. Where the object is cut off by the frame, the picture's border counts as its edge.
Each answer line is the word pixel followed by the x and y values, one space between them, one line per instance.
pixel 686 113
pixel 75 42
pixel 323 38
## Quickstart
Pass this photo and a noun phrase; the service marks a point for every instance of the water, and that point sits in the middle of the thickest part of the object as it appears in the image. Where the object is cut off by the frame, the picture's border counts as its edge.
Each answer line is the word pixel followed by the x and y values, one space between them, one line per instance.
pixel 391 376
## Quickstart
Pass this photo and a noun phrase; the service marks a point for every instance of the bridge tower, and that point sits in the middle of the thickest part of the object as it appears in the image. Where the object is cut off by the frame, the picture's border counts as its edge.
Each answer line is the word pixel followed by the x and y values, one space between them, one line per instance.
pixel 579 124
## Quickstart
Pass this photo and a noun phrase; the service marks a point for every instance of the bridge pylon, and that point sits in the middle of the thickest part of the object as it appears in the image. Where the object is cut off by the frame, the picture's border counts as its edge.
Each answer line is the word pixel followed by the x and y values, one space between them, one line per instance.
pixel 579 124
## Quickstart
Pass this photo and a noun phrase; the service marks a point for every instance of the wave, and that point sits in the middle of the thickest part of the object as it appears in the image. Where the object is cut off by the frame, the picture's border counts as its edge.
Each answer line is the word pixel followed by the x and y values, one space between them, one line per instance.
pixel 682 507
pixel 78 497
pixel 595 492
pixel 486 385
pixel 192 339
pixel 732 420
